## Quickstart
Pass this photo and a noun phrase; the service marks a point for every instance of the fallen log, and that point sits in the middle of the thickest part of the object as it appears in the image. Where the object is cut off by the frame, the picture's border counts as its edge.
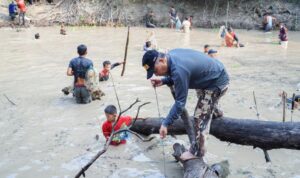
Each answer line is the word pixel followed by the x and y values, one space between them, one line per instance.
pixel 266 135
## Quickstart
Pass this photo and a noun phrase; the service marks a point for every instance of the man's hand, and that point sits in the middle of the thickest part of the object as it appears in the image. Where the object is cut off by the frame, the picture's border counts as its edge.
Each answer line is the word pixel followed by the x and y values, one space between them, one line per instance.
pixel 156 82
pixel 163 131
pixel 69 71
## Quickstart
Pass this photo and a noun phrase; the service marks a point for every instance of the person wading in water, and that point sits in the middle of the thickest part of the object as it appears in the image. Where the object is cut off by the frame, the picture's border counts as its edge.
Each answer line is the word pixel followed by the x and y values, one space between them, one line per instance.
pixel 78 68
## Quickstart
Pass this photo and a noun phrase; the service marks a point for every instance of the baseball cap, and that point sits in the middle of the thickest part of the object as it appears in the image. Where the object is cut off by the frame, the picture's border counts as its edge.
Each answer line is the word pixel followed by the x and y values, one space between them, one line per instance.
pixel 211 51
pixel 148 62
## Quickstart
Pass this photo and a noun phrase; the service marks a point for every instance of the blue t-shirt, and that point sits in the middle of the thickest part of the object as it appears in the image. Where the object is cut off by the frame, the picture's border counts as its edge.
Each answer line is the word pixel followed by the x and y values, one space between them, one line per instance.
pixel 80 66
pixel 190 69
pixel 12 8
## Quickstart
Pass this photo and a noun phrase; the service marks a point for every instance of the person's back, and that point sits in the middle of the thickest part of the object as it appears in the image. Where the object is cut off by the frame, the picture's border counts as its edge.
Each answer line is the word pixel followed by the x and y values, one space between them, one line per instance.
pixel 269 20
pixel 229 39
pixel 12 8
pixel 78 68
pixel 21 5
pixel 201 70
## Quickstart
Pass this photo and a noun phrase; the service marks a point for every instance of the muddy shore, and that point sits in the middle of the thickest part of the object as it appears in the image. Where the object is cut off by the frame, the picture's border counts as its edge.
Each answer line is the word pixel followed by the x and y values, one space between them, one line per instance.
pixel 240 14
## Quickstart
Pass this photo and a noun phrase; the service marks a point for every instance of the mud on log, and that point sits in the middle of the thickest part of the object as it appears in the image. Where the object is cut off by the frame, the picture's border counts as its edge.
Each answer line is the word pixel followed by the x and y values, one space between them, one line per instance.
pixel 263 134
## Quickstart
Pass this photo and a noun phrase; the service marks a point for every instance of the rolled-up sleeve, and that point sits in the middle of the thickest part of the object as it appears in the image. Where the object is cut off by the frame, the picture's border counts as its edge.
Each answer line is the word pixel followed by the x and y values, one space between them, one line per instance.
pixel 181 91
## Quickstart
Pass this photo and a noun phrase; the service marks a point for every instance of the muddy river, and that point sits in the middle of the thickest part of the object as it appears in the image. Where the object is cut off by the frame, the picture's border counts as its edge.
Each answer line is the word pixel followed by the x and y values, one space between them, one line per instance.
pixel 46 134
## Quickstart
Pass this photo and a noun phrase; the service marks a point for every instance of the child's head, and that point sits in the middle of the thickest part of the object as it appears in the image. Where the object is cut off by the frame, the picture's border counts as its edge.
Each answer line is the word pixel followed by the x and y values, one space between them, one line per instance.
pixel 107 65
pixel 148 44
pixel 110 113
pixel 229 29
pixel 206 48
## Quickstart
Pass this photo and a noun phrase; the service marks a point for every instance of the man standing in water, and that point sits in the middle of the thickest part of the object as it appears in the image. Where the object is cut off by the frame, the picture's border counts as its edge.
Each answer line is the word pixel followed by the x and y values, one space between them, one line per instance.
pixel 268 22
pixel 172 15
pixel 189 69
pixel 78 68
pixel 12 9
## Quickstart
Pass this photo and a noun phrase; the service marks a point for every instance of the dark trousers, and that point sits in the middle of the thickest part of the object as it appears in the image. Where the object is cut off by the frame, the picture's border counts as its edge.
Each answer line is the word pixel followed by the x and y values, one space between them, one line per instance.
pixel 13 16
pixel 150 25
pixel 82 95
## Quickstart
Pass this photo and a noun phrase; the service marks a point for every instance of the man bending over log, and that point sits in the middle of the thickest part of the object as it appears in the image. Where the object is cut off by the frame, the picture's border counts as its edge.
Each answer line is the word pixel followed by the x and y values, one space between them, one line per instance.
pixel 189 69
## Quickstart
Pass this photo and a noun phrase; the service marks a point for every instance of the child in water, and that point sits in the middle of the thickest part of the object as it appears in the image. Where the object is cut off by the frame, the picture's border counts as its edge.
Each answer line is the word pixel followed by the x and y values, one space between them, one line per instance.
pixel 62 29
pixel 111 116
pixel 283 36
pixel 206 49
pixel 104 74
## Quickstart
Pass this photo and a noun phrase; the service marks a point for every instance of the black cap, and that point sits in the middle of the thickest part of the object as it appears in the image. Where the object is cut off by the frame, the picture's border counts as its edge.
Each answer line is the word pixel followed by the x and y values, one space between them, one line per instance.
pixel 211 51
pixel 149 60
pixel 81 49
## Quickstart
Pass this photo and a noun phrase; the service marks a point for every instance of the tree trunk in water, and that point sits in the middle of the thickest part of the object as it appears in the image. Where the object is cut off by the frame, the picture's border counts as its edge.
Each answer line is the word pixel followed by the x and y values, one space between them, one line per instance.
pixel 263 134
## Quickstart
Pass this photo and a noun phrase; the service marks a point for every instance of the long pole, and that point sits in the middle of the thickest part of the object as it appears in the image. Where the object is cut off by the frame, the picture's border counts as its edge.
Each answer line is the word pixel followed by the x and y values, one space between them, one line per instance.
pixel 126 50
pixel 112 80
pixel 283 105
pixel 159 115
pixel 267 157
pixel 293 106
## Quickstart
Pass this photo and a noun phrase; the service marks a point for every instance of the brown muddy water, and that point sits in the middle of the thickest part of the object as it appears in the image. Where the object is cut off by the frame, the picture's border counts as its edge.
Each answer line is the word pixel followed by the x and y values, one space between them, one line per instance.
pixel 47 135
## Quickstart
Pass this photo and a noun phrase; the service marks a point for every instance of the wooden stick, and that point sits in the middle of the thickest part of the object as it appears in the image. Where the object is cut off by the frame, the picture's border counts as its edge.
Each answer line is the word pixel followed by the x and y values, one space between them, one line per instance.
pixel 255 104
pixel 293 106
pixel 9 100
pixel 82 171
pixel 267 157
pixel 283 105
pixel 126 49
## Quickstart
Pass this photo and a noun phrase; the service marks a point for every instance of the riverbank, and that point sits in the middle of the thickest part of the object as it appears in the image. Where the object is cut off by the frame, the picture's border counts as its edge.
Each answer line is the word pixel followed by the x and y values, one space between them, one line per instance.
pixel 239 14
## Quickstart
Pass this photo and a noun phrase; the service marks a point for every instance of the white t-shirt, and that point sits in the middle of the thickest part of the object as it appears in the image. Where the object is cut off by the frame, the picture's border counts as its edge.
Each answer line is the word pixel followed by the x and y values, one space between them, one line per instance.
pixel 186 26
